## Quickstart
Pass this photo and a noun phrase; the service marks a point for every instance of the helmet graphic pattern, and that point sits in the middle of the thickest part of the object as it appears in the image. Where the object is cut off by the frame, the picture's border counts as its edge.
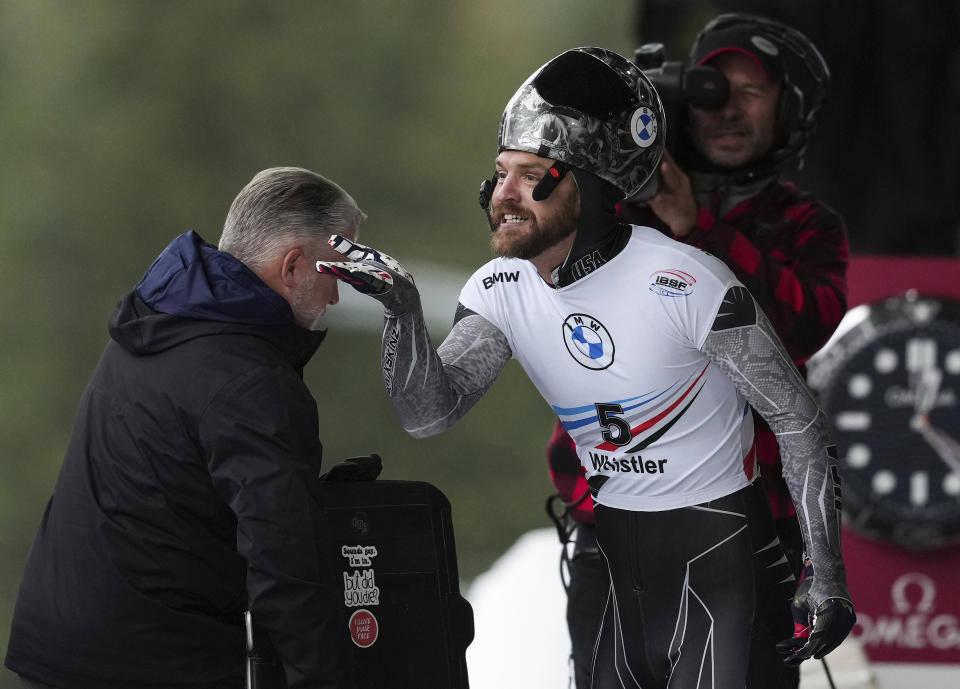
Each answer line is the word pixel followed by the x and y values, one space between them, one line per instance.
pixel 621 143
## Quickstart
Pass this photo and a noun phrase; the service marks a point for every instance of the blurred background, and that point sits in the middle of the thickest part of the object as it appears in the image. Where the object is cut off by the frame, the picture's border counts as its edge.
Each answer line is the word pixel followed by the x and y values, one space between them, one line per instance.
pixel 124 123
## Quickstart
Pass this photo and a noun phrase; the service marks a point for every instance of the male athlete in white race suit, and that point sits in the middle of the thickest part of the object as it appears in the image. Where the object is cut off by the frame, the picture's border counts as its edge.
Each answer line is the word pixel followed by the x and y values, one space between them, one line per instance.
pixel 651 353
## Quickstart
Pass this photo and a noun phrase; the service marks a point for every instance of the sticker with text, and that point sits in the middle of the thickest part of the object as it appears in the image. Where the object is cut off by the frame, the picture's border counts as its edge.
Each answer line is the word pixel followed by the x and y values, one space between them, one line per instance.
pixel 363 628
pixel 360 585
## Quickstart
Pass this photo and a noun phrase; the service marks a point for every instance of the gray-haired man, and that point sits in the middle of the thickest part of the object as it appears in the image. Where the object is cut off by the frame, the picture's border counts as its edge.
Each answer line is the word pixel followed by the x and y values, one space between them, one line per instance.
pixel 186 495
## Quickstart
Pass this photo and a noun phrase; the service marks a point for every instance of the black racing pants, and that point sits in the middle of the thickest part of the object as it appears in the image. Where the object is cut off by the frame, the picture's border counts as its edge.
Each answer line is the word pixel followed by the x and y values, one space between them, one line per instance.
pixel 589 587
pixel 680 607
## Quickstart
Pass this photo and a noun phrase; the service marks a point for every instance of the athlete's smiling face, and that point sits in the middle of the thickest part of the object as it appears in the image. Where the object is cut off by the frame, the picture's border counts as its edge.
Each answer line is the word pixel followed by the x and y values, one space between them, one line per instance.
pixel 522 227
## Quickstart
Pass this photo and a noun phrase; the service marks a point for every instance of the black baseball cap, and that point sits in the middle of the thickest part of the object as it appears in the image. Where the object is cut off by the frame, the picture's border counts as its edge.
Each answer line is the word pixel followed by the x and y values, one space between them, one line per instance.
pixel 748 39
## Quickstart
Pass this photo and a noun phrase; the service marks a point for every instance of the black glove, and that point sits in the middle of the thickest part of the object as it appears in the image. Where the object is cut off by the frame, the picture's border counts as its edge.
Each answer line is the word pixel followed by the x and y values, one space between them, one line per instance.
pixel 365 468
pixel 832 621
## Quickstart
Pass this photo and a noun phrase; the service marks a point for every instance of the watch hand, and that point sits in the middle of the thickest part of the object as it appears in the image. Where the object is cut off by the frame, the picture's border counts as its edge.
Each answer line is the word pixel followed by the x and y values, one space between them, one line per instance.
pixel 926 390
pixel 946 447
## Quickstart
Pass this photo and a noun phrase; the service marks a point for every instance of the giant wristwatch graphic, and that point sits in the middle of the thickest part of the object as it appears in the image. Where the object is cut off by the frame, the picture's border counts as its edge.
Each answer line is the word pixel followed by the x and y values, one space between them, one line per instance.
pixel 890 382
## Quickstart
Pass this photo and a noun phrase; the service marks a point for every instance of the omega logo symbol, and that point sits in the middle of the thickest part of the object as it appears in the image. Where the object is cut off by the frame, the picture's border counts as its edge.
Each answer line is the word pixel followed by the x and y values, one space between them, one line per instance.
pixel 913 580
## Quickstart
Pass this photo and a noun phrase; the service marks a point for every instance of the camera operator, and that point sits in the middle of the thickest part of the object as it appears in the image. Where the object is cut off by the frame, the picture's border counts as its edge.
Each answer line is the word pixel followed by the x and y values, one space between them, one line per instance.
pixel 740 110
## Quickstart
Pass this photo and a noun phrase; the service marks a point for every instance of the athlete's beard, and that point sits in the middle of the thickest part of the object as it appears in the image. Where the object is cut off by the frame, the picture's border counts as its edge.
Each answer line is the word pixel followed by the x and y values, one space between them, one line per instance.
pixel 540 234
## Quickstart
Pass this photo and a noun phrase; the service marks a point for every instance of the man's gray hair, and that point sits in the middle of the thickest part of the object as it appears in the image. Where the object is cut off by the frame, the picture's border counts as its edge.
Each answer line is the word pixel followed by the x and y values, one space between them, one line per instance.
pixel 285 204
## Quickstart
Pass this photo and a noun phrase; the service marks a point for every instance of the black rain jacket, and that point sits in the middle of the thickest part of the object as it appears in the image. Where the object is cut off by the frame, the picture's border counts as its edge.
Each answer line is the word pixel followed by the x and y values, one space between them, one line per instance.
pixel 186 494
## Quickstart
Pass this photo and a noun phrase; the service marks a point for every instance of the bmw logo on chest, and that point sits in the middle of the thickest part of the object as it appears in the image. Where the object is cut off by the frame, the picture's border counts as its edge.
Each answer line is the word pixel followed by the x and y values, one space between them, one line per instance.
pixel 588 341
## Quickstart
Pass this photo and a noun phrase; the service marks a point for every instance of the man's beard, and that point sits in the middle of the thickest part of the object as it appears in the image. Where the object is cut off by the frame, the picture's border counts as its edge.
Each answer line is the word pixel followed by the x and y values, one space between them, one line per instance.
pixel 306 313
pixel 538 236
pixel 750 149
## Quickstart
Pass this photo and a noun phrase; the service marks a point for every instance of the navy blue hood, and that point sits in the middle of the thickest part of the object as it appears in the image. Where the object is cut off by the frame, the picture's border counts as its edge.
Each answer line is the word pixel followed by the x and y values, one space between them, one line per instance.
pixel 194 290
pixel 191 278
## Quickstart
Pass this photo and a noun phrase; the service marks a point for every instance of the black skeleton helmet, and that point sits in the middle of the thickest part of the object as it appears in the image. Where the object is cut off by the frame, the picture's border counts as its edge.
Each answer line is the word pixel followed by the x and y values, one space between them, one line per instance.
pixel 590 109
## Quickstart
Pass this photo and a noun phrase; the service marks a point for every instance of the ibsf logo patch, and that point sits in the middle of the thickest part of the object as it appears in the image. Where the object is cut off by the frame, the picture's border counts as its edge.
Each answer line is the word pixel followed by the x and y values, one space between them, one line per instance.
pixel 588 341
pixel 672 283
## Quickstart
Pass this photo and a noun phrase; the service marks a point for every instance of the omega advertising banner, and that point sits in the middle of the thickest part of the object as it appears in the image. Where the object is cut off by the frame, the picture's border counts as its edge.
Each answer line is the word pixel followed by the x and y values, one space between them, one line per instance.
pixel 890 382
pixel 908 604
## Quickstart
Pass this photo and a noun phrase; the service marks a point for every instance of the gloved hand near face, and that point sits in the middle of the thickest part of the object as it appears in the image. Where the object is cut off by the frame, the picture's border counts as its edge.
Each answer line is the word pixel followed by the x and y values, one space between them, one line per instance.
pixel 374 273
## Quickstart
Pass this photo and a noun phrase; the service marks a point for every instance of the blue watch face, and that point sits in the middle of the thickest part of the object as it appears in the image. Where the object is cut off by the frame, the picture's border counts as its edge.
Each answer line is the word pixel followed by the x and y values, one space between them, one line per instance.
pixel 891 387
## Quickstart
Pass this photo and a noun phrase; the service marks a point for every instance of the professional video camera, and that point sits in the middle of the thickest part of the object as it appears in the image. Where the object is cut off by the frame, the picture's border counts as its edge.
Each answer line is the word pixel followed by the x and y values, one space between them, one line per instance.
pixel 679 85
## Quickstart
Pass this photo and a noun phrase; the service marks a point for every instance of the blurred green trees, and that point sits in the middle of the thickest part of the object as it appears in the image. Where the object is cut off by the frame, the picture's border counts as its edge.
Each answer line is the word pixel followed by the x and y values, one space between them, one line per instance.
pixel 126 122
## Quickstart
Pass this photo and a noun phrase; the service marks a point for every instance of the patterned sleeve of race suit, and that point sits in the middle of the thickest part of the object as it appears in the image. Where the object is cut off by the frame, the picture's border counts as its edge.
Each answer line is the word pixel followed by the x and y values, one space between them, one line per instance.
pixel 744 345
pixel 432 389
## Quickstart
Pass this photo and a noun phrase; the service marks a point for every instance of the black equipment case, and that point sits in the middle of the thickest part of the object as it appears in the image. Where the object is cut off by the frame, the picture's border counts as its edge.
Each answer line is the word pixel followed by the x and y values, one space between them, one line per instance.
pixel 402 606
pixel 392 542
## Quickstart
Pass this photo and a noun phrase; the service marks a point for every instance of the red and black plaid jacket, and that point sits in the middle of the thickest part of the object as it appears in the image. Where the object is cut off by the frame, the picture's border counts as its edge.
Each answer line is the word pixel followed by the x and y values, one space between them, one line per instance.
pixel 791 252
